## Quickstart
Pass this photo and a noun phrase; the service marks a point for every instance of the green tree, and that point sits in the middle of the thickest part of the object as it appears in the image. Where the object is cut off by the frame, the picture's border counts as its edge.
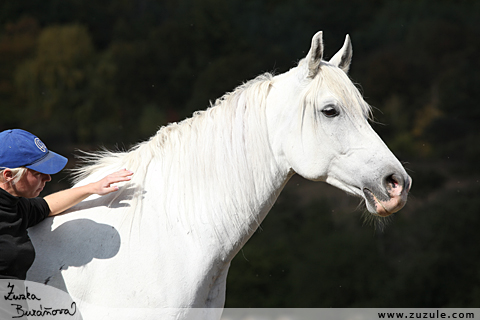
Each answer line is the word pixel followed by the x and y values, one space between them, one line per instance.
pixel 62 83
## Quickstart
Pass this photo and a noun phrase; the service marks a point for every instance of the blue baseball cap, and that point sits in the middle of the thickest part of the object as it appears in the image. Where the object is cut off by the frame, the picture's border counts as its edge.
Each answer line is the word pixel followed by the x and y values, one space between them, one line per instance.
pixel 19 148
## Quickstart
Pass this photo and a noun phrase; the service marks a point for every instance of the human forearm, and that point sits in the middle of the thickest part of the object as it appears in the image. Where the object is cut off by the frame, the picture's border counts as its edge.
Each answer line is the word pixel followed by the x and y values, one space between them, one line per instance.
pixel 63 200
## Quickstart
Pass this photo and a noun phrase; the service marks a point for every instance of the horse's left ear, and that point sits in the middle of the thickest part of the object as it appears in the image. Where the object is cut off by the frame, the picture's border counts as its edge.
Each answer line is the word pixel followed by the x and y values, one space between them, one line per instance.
pixel 343 57
pixel 315 55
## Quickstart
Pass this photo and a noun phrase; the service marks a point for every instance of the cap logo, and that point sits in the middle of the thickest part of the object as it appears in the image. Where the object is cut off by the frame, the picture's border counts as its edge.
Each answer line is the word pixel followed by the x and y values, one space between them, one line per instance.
pixel 40 145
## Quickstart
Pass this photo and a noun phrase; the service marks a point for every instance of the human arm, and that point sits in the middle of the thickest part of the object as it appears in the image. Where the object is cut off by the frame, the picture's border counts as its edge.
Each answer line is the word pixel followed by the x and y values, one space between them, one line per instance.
pixel 63 200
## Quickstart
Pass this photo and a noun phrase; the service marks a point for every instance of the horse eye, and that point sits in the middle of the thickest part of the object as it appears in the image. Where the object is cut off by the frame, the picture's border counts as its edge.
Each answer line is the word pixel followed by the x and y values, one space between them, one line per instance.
pixel 330 112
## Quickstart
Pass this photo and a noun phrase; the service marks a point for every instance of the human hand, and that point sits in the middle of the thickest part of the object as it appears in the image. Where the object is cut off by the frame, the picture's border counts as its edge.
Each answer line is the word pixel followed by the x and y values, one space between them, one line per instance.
pixel 105 186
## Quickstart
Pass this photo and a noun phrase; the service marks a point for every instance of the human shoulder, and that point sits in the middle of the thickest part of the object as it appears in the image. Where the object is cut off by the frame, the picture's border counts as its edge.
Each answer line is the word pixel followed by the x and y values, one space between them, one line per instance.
pixel 7 201
pixel 29 210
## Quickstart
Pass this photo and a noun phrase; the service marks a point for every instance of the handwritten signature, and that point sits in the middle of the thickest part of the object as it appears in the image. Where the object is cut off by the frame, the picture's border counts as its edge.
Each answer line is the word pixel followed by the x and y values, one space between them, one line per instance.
pixel 26 297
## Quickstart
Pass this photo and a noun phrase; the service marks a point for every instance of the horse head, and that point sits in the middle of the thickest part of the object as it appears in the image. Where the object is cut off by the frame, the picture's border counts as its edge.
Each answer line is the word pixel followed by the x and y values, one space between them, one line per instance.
pixel 319 127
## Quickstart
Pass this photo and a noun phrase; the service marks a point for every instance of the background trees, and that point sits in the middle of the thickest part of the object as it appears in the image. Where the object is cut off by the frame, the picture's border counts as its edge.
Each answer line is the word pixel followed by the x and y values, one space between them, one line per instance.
pixel 85 74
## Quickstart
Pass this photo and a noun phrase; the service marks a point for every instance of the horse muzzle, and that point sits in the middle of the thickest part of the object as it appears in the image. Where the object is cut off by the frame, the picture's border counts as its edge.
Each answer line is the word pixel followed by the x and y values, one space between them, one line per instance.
pixel 393 196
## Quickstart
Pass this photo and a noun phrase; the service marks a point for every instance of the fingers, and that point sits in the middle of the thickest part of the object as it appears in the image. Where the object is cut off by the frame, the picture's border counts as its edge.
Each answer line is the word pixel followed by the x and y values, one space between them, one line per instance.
pixel 116 177
pixel 119 176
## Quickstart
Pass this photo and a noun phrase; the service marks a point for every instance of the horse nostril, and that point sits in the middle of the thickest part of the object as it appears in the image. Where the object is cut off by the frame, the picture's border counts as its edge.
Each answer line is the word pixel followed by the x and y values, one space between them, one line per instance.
pixel 393 181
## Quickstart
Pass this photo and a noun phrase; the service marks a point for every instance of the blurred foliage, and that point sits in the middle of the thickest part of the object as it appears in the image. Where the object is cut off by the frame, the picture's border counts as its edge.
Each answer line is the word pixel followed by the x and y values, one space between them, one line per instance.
pixel 85 74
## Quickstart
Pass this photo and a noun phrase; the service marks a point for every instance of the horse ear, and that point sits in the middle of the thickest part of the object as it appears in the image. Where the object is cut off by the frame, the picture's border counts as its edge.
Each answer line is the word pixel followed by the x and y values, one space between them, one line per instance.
pixel 343 57
pixel 315 55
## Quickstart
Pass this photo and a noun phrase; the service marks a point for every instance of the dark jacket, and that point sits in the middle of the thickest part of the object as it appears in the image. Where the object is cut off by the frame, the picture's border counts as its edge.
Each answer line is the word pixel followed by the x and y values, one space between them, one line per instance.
pixel 16 216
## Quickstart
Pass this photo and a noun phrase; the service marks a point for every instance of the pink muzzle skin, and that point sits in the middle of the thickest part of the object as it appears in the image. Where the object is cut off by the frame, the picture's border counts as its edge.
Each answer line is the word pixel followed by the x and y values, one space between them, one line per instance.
pixel 397 192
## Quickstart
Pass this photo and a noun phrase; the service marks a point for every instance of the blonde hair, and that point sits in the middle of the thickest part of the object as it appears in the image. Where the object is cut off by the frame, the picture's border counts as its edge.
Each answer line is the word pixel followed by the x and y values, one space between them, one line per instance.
pixel 17 173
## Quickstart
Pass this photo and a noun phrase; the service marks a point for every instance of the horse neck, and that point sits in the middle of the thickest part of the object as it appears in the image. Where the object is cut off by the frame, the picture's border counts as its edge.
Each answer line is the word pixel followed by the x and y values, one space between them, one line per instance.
pixel 221 177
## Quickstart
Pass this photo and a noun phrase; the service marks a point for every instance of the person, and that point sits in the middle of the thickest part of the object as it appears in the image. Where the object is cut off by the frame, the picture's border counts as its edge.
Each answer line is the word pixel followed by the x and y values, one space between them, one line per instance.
pixel 25 167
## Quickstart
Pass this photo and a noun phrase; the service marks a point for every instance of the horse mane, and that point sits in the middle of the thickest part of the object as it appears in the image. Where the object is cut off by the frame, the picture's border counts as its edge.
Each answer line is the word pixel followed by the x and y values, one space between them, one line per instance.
pixel 226 145
pixel 140 155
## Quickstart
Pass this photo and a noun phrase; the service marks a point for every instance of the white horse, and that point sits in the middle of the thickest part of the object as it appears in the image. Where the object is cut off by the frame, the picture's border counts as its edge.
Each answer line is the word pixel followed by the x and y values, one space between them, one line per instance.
pixel 163 244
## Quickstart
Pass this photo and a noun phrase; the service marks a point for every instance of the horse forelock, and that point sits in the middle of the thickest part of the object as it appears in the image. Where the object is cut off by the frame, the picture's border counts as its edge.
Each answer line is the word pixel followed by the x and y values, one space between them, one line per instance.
pixel 338 82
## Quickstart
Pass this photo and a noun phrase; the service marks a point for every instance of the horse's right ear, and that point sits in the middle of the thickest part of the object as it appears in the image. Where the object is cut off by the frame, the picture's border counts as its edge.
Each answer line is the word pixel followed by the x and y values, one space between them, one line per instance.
pixel 315 55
